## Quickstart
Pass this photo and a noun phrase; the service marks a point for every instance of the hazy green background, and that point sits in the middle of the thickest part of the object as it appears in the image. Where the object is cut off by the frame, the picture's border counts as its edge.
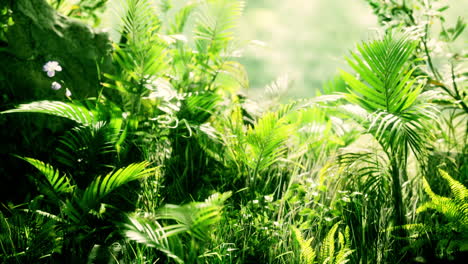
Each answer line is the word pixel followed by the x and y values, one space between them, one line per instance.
pixel 306 39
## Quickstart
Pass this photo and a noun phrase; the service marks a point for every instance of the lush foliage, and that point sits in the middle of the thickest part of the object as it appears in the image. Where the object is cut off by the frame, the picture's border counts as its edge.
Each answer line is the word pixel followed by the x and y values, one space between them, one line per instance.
pixel 171 163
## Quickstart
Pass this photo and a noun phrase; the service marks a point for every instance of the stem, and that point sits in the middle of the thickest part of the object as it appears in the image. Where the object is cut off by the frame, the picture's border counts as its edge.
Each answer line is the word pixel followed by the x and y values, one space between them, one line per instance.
pixel 400 218
pixel 457 93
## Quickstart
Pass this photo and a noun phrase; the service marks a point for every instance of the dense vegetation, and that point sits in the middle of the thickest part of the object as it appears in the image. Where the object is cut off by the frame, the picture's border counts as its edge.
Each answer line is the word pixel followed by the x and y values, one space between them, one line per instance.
pixel 169 162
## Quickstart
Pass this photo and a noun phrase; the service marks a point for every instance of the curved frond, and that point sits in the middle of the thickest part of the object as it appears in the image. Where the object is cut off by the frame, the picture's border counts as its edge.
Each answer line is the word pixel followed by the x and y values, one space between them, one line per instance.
pixel 459 190
pixel 102 186
pixel 455 209
pixel 88 148
pixel 152 234
pixel 307 252
pixel 60 184
pixel 198 218
pixel 72 111
pixel 215 24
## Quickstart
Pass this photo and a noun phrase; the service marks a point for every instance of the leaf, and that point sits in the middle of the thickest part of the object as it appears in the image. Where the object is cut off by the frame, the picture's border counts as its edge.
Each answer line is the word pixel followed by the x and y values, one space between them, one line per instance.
pixel 153 234
pixel 307 252
pixel 399 116
pixel 60 184
pixel 72 111
pixel 102 186
pixel 197 218
pixel 215 24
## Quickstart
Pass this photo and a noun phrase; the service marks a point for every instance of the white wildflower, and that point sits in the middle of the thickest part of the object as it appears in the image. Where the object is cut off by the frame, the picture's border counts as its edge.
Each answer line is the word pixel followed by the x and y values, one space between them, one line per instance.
pixel 56 86
pixel 51 67
pixel 68 93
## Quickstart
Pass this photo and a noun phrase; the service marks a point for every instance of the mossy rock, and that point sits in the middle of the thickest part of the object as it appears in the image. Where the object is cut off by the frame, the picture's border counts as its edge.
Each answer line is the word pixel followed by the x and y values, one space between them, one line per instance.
pixel 40 34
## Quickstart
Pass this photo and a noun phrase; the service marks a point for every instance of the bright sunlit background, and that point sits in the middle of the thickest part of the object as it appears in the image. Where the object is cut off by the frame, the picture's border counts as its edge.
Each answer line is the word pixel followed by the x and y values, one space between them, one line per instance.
pixel 305 40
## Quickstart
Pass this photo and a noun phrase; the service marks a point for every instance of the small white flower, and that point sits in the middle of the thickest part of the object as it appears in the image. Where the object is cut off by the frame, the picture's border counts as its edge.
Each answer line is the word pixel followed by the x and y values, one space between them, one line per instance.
pixel 56 86
pixel 68 93
pixel 51 67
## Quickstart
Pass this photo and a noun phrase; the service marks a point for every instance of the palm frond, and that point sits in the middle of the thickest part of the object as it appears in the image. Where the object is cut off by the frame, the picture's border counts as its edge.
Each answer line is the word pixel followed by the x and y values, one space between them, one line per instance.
pixel 72 111
pixel 181 17
pixel 197 218
pixel 152 234
pixel 266 141
pixel 390 94
pixel 60 184
pixel 383 65
pixel 88 148
pixel 215 24
pixel 102 186
pixel 198 107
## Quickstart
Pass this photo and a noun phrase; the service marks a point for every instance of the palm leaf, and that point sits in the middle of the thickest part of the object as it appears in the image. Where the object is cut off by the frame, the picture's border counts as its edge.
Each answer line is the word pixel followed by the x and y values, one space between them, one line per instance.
pixel 60 184
pixel 152 234
pixel 72 111
pixel 88 147
pixel 398 116
pixel 382 64
pixel 181 17
pixel 197 218
pixel 102 186
pixel 266 141
pixel 215 24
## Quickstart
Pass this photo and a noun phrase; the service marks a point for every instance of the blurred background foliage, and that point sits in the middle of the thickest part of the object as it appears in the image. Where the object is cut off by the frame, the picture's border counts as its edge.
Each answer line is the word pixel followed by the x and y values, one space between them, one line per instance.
pixel 299 38
pixel 303 39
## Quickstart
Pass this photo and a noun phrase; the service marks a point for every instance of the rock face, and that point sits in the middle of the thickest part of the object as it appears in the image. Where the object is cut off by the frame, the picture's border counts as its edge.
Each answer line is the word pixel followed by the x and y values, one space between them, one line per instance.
pixel 39 35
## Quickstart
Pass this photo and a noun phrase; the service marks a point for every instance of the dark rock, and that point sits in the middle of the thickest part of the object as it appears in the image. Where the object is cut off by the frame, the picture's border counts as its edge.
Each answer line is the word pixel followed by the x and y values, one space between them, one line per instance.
pixel 39 35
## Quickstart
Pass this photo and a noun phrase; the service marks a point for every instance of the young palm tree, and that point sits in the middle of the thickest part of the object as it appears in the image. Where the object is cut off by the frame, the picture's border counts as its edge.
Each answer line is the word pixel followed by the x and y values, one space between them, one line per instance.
pixel 396 112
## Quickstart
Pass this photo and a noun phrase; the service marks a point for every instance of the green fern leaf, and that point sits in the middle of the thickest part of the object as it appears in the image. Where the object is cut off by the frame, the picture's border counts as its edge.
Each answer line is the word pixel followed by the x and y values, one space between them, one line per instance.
pixel 307 252
pixel 459 190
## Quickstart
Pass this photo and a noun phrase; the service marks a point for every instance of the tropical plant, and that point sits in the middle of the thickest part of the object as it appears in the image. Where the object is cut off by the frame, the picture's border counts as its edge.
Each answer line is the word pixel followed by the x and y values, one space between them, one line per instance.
pixel 451 238
pixel 329 252
pixel 184 240
pixel 397 117
pixel 80 211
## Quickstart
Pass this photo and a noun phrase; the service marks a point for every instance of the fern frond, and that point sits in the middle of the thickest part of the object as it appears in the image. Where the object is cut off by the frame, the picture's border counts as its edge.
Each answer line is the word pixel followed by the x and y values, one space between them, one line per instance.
pixel 307 252
pixel 345 247
pixel 454 209
pixel 72 111
pixel 327 250
pixel 459 190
